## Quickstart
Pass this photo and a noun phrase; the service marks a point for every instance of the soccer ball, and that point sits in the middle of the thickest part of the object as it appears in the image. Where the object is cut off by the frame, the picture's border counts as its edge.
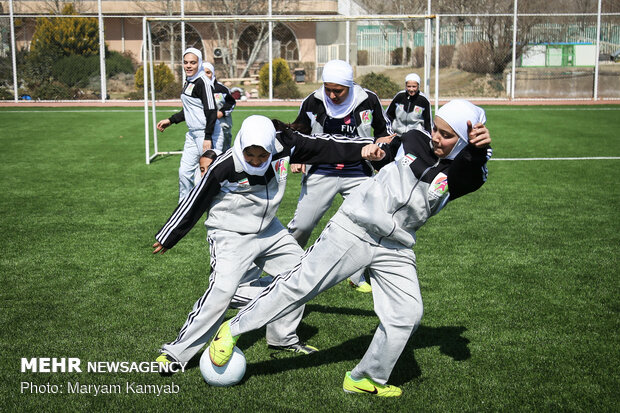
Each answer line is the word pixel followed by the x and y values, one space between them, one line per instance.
pixel 229 374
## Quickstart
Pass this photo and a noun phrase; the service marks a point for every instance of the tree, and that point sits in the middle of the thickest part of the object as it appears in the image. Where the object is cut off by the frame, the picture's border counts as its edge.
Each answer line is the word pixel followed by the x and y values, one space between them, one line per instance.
pixel 400 7
pixel 57 37
pixel 228 34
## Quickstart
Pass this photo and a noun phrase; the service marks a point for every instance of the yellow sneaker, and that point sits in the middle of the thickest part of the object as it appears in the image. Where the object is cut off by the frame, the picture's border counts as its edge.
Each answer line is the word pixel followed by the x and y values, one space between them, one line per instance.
pixel 362 287
pixel 222 346
pixel 165 359
pixel 367 386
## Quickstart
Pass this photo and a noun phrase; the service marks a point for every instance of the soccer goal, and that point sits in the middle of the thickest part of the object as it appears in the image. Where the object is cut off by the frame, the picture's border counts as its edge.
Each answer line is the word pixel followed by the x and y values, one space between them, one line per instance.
pixel 238 46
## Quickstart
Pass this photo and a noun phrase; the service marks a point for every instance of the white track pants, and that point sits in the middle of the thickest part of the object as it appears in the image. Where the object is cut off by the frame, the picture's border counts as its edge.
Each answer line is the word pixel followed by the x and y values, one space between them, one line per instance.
pixel 316 196
pixel 189 167
pixel 336 254
pixel 232 255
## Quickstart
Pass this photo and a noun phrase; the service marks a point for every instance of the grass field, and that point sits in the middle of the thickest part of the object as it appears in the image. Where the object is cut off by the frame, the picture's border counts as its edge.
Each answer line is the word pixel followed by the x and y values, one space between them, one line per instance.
pixel 520 280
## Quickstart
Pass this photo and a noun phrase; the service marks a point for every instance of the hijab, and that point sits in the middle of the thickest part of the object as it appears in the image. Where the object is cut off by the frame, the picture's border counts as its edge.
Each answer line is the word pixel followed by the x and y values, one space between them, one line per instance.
pixel 255 130
pixel 456 113
pixel 200 71
pixel 341 73
pixel 412 77
pixel 207 65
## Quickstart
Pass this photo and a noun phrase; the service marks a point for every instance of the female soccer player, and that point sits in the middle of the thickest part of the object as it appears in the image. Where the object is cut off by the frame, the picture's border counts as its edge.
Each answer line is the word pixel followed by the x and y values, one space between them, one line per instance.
pixel 342 107
pixel 241 192
pixel 375 228
pixel 225 105
pixel 410 109
pixel 200 114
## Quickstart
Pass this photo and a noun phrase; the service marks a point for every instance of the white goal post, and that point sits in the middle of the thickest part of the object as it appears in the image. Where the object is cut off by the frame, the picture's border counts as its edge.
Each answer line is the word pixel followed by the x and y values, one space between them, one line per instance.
pixel 150 109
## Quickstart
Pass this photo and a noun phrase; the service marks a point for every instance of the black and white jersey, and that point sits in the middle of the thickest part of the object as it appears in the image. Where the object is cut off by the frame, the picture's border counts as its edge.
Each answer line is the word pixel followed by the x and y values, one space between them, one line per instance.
pixel 244 203
pixel 367 117
pixel 223 99
pixel 410 112
pixel 199 107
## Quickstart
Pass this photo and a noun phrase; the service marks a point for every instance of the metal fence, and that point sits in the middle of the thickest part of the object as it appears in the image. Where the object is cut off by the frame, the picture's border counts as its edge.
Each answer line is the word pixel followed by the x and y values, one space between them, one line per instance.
pixel 556 56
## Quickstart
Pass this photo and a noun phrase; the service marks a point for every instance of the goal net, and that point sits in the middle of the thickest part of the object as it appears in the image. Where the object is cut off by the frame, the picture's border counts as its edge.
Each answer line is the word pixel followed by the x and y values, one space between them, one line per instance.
pixel 239 46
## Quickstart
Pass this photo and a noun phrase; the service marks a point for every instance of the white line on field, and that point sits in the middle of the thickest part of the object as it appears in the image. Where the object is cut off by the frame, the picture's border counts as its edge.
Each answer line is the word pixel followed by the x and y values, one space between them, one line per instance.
pixel 589 158
pixel 253 109
pixel 131 110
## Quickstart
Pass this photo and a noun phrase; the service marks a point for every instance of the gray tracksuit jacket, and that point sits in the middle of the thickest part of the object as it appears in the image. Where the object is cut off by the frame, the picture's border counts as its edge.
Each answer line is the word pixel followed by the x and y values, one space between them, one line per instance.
pixel 199 107
pixel 246 203
pixel 410 112
pixel 411 186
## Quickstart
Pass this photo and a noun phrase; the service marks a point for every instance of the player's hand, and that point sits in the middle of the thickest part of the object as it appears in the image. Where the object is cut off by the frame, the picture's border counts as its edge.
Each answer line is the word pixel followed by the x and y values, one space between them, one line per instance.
pixel 206 144
pixel 478 135
pixel 220 115
pixel 158 248
pixel 385 139
pixel 298 167
pixel 163 124
pixel 372 152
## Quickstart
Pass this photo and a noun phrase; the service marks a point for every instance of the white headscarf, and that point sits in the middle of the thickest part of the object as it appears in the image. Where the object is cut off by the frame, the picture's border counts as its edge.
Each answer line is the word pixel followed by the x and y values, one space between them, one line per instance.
pixel 207 65
pixel 341 73
pixel 412 77
pixel 198 54
pixel 255 130
pixel 456 113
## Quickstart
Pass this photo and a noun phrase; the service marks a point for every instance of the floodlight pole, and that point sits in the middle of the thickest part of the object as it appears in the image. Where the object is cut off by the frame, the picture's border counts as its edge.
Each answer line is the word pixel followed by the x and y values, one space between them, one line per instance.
pixel 427 51
pixel 13 55
pixel 146 96
pixel 270 56
pixel 514 52
pixel 104 91
pixel 183 32
pixel 436 63
pixel 598 49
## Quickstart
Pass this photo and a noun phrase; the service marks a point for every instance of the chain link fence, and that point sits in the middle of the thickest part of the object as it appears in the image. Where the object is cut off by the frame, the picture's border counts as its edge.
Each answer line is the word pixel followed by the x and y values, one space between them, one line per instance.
pixel 57 57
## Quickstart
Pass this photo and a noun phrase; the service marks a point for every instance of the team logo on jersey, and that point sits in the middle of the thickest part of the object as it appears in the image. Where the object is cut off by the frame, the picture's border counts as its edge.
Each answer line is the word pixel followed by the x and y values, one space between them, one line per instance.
pixel 280 167
pixel 219 97
pixel 418 110
pixel 366 117
pixel 407 159
pixel 243 183
pixel 189 89
pixel 311 116
pixel 439 187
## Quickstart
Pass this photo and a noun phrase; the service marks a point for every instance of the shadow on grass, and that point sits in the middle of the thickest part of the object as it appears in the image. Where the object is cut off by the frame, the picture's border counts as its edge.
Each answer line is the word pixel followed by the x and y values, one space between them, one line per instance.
pixel 449 339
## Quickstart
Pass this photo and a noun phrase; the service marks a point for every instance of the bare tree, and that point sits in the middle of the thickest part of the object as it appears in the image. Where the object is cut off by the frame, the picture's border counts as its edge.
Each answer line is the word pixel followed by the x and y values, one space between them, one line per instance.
pixel 228 34
pixel 400 7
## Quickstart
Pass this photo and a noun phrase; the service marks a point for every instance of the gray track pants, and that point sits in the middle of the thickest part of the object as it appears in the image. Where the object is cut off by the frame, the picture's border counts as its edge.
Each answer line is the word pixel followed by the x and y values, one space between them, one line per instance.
pixel 316 196
pixel 232 255
pixel 336 254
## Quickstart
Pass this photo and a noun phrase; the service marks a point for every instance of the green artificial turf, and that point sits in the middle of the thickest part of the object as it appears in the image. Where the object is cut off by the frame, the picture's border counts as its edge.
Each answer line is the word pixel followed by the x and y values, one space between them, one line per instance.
pixel 519 280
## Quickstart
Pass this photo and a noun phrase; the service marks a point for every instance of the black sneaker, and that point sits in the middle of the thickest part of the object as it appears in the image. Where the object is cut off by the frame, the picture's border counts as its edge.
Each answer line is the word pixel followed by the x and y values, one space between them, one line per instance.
pixel 298 347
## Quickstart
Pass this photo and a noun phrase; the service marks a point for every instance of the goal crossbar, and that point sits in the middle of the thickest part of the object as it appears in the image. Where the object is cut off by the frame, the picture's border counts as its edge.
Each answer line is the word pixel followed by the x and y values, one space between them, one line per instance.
pixel 148 60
